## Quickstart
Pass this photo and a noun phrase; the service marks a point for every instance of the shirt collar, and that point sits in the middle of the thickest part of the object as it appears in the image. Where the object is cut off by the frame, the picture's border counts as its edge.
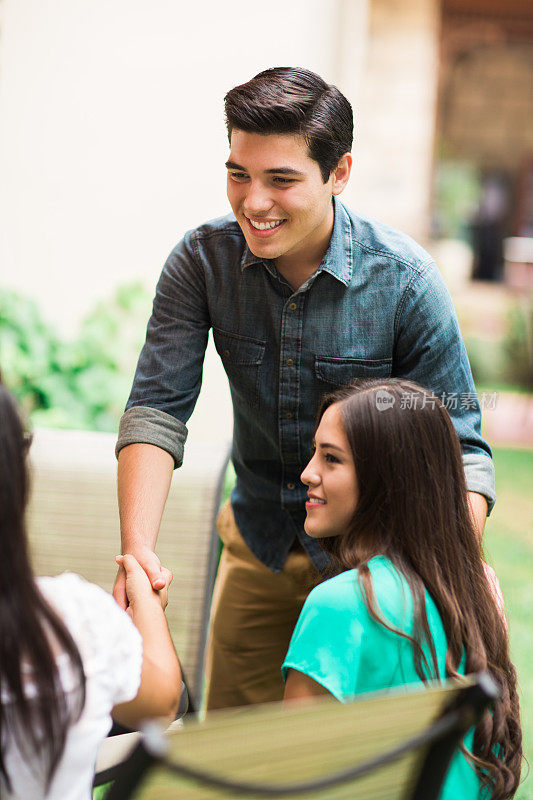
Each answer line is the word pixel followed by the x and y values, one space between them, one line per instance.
pixel 338 260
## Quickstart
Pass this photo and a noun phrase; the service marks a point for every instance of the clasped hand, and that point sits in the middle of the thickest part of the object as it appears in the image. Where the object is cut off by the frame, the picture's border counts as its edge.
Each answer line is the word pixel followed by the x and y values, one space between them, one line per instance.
pixel 141 577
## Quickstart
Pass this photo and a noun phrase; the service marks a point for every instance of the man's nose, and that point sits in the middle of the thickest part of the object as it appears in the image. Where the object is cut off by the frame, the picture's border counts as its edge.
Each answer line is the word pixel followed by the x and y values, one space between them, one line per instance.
pixel 257 199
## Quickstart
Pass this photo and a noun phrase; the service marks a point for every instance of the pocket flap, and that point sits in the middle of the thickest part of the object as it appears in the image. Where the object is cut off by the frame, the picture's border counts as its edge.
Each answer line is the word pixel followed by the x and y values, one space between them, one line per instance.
pixel 347 371
pixel 236 349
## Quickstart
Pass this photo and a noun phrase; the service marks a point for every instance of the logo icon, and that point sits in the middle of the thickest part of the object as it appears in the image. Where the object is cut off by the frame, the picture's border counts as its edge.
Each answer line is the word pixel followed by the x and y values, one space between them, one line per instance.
pixel 384 400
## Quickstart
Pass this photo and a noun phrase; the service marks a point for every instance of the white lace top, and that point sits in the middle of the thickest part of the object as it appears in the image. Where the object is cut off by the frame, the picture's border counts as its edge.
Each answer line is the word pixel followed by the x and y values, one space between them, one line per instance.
pixel 111 651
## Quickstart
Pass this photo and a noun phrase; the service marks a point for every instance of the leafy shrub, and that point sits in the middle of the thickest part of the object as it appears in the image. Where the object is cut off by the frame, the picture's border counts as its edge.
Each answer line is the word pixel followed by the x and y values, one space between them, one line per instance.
pixel 78 384
pixel 506 361
pixel 456 195
pixel 518 345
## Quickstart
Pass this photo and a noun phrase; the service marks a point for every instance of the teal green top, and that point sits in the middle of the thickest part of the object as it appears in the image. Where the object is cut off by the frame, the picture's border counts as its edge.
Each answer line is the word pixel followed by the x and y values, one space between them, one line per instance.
pixel 338 644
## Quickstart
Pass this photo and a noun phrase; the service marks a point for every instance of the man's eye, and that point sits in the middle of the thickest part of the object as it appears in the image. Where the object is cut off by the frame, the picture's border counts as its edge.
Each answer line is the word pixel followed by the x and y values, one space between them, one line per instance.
pixel 283 181
pixel 238 176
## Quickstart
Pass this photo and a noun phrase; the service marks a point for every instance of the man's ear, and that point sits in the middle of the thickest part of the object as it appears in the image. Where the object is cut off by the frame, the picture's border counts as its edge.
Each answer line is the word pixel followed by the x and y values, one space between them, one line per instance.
pixel 342 173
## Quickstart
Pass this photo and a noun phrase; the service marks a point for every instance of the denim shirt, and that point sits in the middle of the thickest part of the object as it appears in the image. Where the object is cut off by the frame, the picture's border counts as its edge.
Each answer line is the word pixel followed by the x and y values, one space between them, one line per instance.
pixel 376 307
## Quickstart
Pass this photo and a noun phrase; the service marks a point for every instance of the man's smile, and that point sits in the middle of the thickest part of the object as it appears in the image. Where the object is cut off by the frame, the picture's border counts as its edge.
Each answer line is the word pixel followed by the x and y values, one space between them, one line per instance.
pixel 263 227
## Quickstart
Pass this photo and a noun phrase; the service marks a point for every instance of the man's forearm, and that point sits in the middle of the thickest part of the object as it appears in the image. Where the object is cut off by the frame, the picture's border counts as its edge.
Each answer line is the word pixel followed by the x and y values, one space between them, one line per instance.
pixel 144 477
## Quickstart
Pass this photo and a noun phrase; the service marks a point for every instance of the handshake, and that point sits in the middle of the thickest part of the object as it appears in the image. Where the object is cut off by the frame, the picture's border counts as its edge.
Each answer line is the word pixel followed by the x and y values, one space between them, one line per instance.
pixel 141 579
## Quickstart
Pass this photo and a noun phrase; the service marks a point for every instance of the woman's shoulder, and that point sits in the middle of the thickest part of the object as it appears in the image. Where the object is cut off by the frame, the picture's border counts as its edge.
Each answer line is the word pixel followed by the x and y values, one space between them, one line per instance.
pixel 346 586
pixel 345 595
pixel 334 591
pixel 70 593
pixel 95 621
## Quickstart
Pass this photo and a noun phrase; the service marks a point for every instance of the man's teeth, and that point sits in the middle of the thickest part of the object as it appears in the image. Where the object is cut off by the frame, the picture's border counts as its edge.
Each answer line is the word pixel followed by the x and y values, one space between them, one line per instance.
pixel 265 226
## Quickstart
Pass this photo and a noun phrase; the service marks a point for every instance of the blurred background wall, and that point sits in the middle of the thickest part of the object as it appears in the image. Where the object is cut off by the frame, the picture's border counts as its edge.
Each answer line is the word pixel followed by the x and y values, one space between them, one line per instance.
pixel 112 145
pixel 113 141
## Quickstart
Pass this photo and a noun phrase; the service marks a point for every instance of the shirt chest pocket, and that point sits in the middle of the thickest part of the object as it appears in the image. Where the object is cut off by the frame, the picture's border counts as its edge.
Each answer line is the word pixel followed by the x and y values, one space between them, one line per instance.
pixel 241 357
pixel 332 372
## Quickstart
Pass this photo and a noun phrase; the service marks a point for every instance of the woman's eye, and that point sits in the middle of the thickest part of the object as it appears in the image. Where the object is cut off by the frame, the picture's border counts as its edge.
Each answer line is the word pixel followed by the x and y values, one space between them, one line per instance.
pixel 331 459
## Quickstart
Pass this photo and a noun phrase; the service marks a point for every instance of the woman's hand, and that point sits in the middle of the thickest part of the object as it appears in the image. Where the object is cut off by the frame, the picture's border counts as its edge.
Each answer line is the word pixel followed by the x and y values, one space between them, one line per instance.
pixel 138 584
pixel 496 590
pixel 159 691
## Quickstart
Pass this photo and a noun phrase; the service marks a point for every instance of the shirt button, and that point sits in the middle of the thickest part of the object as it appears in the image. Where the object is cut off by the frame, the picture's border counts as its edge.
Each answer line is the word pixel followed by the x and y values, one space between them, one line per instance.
pixel 227 353
pixel 289 362
pixel 292 306
pixel 288 415
pixel 291 486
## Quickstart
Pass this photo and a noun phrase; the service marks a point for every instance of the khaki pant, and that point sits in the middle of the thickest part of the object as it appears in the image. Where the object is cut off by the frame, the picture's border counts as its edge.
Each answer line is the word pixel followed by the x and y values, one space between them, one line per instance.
pixel 253 615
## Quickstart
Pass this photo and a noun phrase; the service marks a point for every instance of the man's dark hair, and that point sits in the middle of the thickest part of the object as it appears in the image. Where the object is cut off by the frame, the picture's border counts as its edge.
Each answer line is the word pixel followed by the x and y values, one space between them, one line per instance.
pixel 294 100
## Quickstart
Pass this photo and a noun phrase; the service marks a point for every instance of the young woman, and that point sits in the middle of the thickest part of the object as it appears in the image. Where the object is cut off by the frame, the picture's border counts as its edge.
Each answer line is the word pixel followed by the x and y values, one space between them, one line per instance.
pixel 387 499
pixel 69 656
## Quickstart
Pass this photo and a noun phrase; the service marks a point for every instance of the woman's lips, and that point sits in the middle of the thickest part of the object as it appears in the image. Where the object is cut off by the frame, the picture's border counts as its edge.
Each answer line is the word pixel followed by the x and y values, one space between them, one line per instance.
pixel 314 503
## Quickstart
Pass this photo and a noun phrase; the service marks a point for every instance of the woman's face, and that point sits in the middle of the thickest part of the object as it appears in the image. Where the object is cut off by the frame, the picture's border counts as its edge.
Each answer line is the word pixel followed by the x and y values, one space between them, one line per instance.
pixel 330 478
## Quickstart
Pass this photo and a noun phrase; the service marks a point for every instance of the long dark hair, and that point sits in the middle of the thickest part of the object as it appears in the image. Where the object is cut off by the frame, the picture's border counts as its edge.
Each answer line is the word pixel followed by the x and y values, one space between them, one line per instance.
pixel 28 625
pixel 413 509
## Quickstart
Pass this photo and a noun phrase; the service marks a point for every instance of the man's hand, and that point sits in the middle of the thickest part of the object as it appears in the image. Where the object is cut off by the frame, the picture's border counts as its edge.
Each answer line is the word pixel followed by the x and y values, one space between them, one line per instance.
pixel 495 588
pixel 478 511
pixel 158 577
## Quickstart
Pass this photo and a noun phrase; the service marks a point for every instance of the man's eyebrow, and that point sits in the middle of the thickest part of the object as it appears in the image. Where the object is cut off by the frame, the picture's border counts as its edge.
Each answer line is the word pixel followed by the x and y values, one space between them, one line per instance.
pixel 284 171
pixel 273 171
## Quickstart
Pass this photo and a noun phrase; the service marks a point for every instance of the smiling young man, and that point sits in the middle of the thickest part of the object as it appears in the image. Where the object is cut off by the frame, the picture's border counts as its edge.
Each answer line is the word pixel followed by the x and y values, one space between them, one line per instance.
pixel 303 296
pixel 281 201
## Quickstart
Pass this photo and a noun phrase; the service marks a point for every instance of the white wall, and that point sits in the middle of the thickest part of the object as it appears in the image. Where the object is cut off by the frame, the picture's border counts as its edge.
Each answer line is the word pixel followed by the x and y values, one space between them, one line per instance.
pixel 112 142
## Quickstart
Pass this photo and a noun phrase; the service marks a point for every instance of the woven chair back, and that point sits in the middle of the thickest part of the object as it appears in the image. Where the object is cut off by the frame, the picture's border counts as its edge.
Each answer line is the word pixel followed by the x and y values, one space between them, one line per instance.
pixel 73 525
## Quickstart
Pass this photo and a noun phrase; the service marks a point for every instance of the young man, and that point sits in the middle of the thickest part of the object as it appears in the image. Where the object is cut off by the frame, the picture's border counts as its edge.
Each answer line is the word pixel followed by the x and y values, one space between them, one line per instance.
pixel 303 296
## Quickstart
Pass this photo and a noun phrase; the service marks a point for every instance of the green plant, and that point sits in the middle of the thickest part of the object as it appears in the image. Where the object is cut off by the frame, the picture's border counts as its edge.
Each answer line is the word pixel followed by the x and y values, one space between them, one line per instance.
pixel 518 345
pixel 486 359
pixel 456 195
pixel 505 360
pixel 83 383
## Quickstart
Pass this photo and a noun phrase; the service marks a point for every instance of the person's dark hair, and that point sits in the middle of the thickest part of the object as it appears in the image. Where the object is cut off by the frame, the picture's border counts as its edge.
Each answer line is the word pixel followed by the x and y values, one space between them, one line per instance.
pixel 295 101
pixel 413 508
pixel 29 628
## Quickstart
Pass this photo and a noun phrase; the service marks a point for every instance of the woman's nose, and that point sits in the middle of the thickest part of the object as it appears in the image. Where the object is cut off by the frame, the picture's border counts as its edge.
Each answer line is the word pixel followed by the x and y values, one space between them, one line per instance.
pixel 309 476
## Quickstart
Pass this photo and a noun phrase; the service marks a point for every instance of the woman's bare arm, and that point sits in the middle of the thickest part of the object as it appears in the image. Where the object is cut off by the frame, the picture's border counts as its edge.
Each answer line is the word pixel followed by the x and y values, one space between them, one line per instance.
pixel 160 687
pixel 300 687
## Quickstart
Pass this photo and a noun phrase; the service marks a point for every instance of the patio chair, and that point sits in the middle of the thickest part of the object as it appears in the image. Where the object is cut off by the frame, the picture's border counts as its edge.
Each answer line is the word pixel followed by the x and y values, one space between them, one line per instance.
pixel 73 525
pixel 386 746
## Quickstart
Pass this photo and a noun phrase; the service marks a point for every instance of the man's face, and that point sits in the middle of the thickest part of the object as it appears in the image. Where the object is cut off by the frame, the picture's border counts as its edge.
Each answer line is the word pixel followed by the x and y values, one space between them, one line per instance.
pixel 278 196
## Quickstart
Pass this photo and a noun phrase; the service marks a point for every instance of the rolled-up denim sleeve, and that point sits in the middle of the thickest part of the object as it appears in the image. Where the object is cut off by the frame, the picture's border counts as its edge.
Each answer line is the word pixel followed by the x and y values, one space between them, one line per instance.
pixel 168 377
pixel 430 351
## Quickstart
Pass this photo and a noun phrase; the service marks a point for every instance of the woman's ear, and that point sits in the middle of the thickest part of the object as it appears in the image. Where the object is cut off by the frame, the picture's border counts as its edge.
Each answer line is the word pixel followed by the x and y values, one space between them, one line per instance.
pixel 342 173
